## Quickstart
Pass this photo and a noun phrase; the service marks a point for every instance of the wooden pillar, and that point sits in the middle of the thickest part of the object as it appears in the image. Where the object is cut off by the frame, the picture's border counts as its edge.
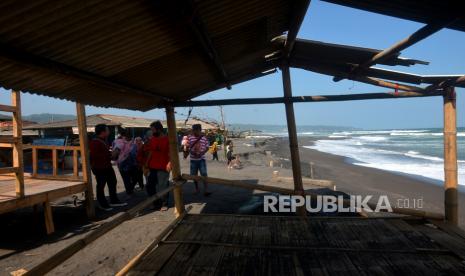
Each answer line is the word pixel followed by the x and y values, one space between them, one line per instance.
pixel 85 157
pixel 450 157
pixel 292 131
pixel 49 225
pixel 34 162
pixel 18 143
pixel 174 159
pixel 75 164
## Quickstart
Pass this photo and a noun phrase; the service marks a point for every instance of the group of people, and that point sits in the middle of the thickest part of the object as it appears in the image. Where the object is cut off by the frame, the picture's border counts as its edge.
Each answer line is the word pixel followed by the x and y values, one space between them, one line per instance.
pixel 138 157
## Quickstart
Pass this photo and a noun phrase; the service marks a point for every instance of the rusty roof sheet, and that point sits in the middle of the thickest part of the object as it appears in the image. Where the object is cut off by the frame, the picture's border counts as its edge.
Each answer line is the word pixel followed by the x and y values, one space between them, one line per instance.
pixel 134 54
pixel 93 120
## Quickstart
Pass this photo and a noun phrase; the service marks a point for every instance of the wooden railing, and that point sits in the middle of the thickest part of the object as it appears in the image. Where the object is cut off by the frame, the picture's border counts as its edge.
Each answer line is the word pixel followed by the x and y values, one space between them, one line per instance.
pixel 15 142
pixel 55 149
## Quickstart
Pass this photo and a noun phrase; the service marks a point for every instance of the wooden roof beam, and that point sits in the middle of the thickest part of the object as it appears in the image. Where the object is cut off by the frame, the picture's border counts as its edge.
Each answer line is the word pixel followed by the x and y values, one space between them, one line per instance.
pixel 387 84
pixel 54 67
pixel 417 36
pixel 299 10
pixel 204 40
pixel 305 99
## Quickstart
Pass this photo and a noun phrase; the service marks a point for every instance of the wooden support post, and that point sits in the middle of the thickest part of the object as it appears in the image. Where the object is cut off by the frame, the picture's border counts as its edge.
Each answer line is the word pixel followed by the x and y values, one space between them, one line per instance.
pixel 55 162
pixel 18 143
pixel 75 164
pixel 86 172
pixel 34 161
pixel 292 131
pixel 50 227
pixel 174 159
pixel 450 157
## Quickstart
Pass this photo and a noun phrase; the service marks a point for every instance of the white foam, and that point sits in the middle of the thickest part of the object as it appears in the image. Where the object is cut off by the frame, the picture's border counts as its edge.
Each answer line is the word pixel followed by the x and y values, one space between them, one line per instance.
pixel 415 154
pixel 410 162
pixel 373 138
pixel 258 136
pixel 337 136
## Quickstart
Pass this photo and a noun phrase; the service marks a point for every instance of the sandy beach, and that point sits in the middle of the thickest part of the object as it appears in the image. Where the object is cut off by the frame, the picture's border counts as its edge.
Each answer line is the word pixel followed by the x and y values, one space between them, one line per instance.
pixel 22 248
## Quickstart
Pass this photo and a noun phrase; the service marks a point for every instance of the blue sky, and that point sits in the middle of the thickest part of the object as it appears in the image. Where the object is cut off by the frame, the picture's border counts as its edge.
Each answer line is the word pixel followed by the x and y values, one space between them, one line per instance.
pixel 337 24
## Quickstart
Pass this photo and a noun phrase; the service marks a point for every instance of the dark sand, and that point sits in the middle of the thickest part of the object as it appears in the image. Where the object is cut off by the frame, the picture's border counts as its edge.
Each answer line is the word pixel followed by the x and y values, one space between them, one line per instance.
pixel 23 242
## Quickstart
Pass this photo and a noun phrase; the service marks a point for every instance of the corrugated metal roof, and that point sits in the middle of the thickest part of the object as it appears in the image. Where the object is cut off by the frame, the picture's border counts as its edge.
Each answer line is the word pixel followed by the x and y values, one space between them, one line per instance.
pixel 206 125
pixel 424 11
pixel 329 53
pixel 93 120
pixel 124 122
pixel 102 52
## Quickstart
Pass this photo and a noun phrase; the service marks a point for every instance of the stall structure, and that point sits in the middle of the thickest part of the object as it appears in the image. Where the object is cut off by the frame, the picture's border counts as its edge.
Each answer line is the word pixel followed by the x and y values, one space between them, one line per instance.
pixel 142 55
pixel 135 126
pixel 19 191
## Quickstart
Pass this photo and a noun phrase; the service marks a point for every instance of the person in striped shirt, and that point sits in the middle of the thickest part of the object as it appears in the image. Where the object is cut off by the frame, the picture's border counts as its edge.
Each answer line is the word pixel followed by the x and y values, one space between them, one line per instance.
pixel 198 146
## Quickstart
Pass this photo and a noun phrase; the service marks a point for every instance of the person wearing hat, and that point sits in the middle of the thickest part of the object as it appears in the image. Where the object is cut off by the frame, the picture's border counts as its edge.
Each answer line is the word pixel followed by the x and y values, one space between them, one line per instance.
pixel 198 146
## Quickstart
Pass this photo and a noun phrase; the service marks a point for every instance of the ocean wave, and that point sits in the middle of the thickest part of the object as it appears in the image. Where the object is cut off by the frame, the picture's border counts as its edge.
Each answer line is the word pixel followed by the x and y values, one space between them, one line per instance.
pixel 410 162
pixel 373 138
pixel 337 136
pixel 345 133
pixel 258 136
pixel 409 134
pixel 415 154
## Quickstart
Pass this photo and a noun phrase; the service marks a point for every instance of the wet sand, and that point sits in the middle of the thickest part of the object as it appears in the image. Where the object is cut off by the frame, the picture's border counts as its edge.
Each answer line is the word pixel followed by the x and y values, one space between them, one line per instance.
pixel 24 243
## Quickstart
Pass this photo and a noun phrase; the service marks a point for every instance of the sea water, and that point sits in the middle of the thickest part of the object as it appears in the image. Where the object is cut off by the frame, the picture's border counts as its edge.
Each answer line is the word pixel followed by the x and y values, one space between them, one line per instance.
pixel 417 152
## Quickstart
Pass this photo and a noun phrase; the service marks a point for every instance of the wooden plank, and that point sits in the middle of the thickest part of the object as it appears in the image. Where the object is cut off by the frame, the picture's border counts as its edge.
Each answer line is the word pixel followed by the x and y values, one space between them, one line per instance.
pixel 6 170
pixel 309 99
pixel 7 108
pixel 8 139
pixel 154 262
pixel 417 36
pixel 174 159
pixel 70 178
pixel 6 145
pixel 48 218
pixel 139 257
pixel 299 10
pixel 75 164
pixel 18 144
pixel 308 181
pixel 47 147
pixel 35 161
pixel 55 162
pixel 39 196
pixel 85 159
pixel 450 157
pixel 62 255
pixel 395 49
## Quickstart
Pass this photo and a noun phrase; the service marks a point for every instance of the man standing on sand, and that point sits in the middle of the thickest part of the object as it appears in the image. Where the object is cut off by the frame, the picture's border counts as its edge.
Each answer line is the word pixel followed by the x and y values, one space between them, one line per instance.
pixel 198 146
pixel 100 161
pixel 158 162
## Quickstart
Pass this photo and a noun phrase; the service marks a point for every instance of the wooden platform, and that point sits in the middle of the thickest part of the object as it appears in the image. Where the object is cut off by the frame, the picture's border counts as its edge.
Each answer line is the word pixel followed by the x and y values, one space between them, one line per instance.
pixel 36 191
pixel 270 245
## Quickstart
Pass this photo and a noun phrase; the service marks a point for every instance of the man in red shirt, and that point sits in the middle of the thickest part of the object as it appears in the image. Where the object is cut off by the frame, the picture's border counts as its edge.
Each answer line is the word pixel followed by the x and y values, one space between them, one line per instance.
pixel 158 161
pixel 100 161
